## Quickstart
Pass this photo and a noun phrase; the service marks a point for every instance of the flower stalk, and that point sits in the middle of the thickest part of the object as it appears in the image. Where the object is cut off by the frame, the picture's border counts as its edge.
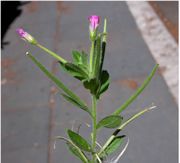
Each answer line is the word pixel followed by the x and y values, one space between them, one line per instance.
pixel 56 56
pixel 30 39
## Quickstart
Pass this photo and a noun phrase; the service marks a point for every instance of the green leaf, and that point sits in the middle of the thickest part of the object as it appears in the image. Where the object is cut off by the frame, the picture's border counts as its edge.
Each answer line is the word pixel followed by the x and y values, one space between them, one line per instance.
pixel 57 81
pixel 114 145
pixel 97 87
pixel 97 58
pixel 76 71
pixel 84 57
pixel 111 121
pixel 74 149
pixel 74 102
pixel 105 81
pixel 79 141
pixel 116 132
pixel 92 85
pixel 76 57
pixel 76 152
pixel 138 92
pixel 80 59
pixel 102 55
pixel 74 74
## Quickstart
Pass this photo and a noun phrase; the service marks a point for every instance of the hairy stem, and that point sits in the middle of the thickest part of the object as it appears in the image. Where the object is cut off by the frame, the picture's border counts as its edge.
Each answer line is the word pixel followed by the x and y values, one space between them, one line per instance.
pixel 91 58
pixel 94 103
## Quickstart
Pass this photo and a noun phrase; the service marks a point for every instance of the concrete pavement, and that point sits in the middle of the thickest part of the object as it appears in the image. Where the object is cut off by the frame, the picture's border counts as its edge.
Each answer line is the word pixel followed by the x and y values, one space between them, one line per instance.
pixel 33 111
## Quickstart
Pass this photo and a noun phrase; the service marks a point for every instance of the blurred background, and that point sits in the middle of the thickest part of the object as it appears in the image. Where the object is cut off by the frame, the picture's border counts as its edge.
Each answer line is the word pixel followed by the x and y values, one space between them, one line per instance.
pixel 140 34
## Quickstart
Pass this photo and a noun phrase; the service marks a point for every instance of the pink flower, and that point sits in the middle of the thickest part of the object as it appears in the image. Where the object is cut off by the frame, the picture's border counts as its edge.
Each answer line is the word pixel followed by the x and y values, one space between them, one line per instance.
pixel 94 22
pixel 26 36
pixel 21 32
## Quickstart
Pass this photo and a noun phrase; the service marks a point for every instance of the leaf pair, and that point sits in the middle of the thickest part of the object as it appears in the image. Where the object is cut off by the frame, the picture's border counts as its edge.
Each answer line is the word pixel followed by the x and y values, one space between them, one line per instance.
pixel 113 137
pixel 83 145
pixel 112 121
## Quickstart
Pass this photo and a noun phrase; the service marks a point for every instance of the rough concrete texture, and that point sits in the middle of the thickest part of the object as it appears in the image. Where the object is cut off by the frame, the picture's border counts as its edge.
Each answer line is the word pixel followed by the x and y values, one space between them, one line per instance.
pixel 161 43
pixel 33 111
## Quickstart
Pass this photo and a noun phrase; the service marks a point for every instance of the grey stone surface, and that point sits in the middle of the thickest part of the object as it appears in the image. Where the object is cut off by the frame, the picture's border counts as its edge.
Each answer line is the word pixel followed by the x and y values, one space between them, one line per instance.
pixel 27 112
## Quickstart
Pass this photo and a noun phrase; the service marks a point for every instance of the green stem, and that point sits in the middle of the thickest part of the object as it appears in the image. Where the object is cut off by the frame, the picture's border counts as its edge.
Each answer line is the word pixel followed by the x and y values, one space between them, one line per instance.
pixel 122 126
pixel 52 53
pixel 94 103
pixel 91 58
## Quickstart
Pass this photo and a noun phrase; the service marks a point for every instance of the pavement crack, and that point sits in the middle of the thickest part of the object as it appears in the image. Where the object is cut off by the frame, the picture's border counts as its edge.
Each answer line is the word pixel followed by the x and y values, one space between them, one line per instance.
pixel 53 89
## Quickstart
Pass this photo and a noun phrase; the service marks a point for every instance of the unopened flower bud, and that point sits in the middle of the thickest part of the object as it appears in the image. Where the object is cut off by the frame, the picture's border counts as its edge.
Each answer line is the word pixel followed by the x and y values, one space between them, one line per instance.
pixel 26 36
pixel 94 23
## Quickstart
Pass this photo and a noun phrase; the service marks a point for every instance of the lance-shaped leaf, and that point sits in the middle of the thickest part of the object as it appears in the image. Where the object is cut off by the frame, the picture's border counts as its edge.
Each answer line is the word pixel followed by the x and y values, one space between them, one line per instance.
pixel 57 81
pixel 105 81
pixel 77 58
pixel 75 150
pixel 111 121
pixel 139 90
pixel 79 141
pixel 104 38
pixel 80 58
pixel 103 75
pixel 77 71
pixel 97 58
pixel 114 145
pixel 84 57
